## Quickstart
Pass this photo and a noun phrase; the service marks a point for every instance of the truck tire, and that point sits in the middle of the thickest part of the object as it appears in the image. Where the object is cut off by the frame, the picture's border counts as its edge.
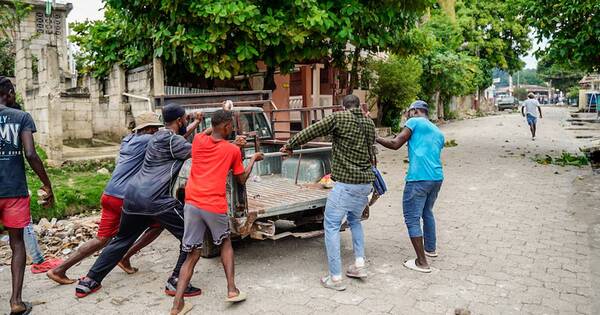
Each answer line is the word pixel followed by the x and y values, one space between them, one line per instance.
pixel 209 249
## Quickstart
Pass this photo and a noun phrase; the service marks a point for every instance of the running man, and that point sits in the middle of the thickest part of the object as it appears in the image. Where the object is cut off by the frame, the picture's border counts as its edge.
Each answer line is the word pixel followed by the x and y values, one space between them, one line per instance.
pixel 531 106
pixel 131 156
pixel 206 203
pixel 16 139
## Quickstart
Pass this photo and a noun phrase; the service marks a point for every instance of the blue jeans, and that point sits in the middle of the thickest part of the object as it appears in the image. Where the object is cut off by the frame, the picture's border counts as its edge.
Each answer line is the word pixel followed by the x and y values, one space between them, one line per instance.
pixel 345 200
pixel 31 244
pixel 417 203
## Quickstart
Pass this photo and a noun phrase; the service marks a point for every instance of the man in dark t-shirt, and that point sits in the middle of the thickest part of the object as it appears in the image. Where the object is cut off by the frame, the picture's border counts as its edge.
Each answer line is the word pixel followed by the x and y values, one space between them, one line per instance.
pixel 16 137
pixel 147 199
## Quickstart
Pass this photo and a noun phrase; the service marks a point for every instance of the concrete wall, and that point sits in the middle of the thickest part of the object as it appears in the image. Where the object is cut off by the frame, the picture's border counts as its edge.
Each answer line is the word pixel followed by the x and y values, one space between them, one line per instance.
pixel 76 116
pixel 139 82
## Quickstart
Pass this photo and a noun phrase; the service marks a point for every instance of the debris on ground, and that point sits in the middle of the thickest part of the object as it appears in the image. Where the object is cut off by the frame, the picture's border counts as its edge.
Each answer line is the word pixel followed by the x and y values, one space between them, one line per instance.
pixel 58 238
pixel 450 143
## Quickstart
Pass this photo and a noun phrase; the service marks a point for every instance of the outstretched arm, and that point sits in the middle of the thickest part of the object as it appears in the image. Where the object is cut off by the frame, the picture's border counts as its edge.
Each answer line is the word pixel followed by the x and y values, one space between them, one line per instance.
pixel 36 164
pixel 320 129
pixel 398 141
pixel 242 178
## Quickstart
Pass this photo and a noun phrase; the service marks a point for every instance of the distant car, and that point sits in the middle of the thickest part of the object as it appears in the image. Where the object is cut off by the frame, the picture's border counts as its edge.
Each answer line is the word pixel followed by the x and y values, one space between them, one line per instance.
pixel 507 102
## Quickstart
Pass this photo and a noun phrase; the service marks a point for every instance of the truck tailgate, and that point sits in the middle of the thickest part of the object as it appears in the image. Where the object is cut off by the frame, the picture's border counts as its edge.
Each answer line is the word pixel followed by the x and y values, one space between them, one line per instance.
pixel 274 195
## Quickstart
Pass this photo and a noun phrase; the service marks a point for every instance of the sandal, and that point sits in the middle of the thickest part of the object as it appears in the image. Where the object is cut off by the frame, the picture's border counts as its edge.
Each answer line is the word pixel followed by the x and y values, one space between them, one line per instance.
pixel 412 264
pixel 28 307
pixel 187 307
pixel 241 296
pixel 86 286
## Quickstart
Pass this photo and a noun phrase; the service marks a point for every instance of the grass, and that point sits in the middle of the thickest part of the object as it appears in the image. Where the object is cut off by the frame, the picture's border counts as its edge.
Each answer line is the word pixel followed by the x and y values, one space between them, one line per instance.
pixel 450 143
pixel 77 188
pixel 565 159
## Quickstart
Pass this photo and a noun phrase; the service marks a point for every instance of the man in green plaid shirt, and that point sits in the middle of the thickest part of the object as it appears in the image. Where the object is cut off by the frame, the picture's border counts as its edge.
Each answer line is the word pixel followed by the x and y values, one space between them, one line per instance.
pixel 352 135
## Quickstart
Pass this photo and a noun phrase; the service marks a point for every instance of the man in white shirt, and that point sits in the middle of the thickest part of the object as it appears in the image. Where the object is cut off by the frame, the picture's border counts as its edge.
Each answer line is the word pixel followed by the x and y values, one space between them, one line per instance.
pixel 531 107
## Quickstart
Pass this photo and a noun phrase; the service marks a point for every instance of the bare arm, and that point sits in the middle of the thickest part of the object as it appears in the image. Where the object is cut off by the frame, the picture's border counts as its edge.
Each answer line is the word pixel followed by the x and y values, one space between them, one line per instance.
pixel 523 111
pixel 242 178
pixel 36 164
pixel 398 141
pixel 193 125
pixel 540 110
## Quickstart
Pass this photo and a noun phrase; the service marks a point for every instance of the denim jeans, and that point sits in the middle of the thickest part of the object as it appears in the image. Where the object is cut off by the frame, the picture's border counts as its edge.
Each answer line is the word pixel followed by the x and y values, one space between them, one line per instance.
pixel 345 200
pixel 31 244
pixel 417 203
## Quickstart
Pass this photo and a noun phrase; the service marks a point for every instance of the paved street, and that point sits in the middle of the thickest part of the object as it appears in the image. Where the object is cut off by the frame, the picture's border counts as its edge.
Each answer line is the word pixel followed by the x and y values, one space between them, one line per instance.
pixel 512 236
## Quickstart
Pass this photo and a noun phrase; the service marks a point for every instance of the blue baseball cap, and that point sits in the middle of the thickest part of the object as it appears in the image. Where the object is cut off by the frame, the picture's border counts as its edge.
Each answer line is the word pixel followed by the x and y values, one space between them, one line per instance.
pixel 419 105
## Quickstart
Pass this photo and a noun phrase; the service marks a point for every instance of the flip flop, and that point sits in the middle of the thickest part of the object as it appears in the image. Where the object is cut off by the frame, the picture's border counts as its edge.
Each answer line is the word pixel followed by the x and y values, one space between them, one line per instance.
pixel 187 307
pixel 241 296
pixel 27 310
pixel 412 264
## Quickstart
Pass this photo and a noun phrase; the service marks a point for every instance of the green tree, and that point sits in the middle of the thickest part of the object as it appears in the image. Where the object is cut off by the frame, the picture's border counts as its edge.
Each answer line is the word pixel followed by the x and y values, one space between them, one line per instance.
pixel 220 39
pixel 572 29
pixel 373 26
pixel 11 14
pixel 7 58
pixel 494 32
pixel 529 77
pixel 447 71
pixel 395 85
pixel 562 76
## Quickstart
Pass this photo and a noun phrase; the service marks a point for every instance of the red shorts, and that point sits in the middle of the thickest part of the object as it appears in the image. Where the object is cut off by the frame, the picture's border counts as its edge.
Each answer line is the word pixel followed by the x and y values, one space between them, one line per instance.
pixel 14 212
pixel 110 217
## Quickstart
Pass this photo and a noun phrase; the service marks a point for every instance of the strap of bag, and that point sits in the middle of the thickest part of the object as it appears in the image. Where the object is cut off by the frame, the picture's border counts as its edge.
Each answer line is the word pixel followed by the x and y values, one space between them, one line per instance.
pixel 369 147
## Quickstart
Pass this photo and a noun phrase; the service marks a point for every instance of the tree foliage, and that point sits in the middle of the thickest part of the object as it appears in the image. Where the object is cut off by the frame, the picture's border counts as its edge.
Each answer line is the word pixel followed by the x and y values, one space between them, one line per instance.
pixel 572 29
pixel 562 76
pixel 395 84
pixel 11 15
pixel 7 58
pixel 220 39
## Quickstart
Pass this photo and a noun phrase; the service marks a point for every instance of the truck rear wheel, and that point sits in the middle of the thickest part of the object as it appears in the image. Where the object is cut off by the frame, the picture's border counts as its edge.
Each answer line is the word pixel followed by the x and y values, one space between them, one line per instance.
pixel 209 249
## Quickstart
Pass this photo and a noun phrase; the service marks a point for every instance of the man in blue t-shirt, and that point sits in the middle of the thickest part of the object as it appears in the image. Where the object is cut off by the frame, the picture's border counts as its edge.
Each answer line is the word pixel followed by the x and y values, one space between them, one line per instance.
pixel 16 140
pixel 423 180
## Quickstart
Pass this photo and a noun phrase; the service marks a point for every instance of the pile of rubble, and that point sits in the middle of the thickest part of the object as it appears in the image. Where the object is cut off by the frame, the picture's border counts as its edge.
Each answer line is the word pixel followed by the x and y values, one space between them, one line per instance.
pixel 58 238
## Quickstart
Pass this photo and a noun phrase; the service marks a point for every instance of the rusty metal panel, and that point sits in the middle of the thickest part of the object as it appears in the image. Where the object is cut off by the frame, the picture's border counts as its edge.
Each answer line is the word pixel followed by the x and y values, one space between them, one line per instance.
pixel 275 195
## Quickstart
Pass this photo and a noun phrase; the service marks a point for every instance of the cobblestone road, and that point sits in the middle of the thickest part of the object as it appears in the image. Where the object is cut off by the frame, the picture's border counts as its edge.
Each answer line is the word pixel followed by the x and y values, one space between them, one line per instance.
pixel 510 242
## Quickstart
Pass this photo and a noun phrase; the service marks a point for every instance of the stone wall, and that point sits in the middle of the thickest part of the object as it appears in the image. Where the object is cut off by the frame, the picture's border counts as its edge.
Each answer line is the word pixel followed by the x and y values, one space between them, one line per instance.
pixel 139 83
pixel 76 116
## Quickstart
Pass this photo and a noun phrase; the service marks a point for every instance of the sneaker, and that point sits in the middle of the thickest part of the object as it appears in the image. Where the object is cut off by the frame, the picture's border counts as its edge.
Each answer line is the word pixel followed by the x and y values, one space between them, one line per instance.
pixel 356 272
pixel 86 286
pixel 46 265
pixel 171 289
pixel 328 283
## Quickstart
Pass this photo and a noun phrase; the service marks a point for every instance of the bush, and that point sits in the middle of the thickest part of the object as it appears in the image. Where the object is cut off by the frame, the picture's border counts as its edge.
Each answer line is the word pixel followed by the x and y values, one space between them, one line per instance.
pixel 395 85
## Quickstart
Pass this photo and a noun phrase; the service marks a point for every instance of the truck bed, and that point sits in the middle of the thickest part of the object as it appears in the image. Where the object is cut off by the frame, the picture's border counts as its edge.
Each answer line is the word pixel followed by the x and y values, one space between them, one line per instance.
pixel 276 195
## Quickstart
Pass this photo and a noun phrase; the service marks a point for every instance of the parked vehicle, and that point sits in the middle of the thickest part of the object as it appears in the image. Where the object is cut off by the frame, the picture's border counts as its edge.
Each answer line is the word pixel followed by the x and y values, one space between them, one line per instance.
pixel 279 188
pixel 507 102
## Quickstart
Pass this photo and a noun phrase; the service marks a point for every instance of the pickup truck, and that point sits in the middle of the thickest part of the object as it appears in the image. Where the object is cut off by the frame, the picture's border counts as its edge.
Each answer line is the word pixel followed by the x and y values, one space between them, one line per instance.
pixel 280 189
pixel 507 102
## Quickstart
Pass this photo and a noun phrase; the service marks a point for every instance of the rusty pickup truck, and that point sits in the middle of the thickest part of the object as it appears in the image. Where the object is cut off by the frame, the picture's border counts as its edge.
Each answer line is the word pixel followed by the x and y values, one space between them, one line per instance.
pixel 281 189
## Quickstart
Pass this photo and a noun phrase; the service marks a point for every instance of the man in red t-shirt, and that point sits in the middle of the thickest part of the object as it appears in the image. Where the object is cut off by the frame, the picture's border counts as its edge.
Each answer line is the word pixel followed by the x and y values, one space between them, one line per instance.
pixel 206 203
